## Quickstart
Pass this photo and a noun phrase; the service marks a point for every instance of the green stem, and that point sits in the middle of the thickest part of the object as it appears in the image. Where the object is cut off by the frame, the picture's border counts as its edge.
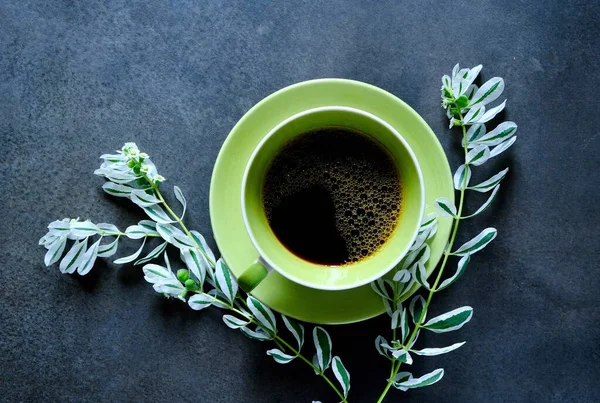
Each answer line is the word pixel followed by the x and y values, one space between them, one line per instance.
pixel 181 224
pixel 447 253
pixel 281 343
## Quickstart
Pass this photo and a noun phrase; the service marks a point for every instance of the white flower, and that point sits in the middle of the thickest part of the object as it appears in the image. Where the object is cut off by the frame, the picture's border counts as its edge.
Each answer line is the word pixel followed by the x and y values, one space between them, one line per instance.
pixel 130 149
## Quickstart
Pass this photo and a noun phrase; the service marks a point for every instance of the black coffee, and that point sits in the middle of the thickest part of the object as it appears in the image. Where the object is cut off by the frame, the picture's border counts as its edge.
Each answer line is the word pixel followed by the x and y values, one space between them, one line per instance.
pixel 332 196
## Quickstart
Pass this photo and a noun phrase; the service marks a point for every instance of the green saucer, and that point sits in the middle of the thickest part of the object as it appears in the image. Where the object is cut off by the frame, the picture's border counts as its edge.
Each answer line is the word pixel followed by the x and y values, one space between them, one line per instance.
pixel 281 294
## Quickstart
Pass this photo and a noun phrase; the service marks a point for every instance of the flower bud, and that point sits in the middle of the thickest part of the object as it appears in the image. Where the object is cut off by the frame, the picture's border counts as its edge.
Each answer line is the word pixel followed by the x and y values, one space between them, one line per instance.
pixel 183 275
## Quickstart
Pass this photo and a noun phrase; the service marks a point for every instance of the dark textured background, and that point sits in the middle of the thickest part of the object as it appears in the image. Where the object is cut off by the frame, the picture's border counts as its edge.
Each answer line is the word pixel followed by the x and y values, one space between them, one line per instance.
pixel 79 78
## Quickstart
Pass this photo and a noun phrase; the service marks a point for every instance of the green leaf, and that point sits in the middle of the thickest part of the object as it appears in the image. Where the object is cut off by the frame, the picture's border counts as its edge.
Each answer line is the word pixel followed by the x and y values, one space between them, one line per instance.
pixel 501 133
pixel 341 374
pixel 450 321
pixel 262 313
pixel 500 148
pixel 257 334
pixel 478 155
pixel 55 251
pixel 462 266
pixel 437 351
pixel 296 329
pixel 73 258
pixel 445 207
pixel 485 205
pixel 478 243
pixel 462 101
pixel 425 380
pixel 459 176
pixel 143 199
pixel 416 308
pixel 490 183
pixel 225 281
pixel 89 258
pixel 279 356
pixel 157 214
pixel 200 301
pixel 323 345
pixel 114 189
pixel 153 254
pixel 131 258
pixel 488 92
pixel 109 249
pixel 234 323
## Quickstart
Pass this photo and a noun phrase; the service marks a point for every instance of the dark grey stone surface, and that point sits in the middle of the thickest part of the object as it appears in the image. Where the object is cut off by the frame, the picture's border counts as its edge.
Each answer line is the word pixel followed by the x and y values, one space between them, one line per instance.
pixel 79 78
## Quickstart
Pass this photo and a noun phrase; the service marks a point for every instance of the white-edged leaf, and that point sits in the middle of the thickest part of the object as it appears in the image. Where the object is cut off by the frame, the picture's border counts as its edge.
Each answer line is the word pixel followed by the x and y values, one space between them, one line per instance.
pixel 475 132
pixel 471 91
pixel 396 318
pixel 487 203
pixel 445 207
pixel 420 274
pixel 477 156
pixel 488 92
pixel 341 374
pixel 135 232
pixel 108 229
pixel 438 351
pixel 501 133
pixel 114 189
pixel 380 342
pixel 108 249
pixel 296 329
pixel 143 199
pixel 84 229
pixel 195 263
pixel 500 148
pixel 179 196
pixel 59 227
pixel 174 236
pixel 455 70
pixel 171 287
pixel 149 226
pixel 154 273
pixel 200 301
pixel 491 113
pixel 380 288
pixel 425 380
pixel 490 183
pixel 462 266
pixel 262 313
pixel 257 334
pixel 416 308
pixel 74 256
pixel 420 255
pixel 48 239
pixel 89 258
pixel 450 321
pixel 401 377
pixel 405 330
pixel 279 356
pixel 459 176
pixel 468 80
pixel 56 250
pixel 476 244
pixel 474 115
pixel 219 299
pixel 157 214
pixel 428 222
pixel 203 245
pixel 226 283
pixel 131 258
pixel 234 323
pixel 412 343
pixel 458 84
pixel 323 345
pixel 153 254
pixel 403 356
pixel 402 276
pixel 114 175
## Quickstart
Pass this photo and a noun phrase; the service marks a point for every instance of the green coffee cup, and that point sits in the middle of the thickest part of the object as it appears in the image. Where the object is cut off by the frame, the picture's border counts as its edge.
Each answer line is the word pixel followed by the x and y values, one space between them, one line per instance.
pixel 272 255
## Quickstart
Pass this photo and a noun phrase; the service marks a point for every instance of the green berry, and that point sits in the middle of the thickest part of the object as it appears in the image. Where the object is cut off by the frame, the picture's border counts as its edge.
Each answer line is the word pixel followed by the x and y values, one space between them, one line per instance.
pixel 190 284
pixel 131 163
pixel 183 275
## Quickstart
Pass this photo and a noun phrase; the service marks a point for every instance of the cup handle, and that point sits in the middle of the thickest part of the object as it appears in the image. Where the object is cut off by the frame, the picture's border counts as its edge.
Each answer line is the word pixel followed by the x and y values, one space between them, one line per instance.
pixel 252 276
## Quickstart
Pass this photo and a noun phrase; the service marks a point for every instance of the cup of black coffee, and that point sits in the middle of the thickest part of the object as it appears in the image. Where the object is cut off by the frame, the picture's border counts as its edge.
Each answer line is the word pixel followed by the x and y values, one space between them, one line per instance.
pixel 332 199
